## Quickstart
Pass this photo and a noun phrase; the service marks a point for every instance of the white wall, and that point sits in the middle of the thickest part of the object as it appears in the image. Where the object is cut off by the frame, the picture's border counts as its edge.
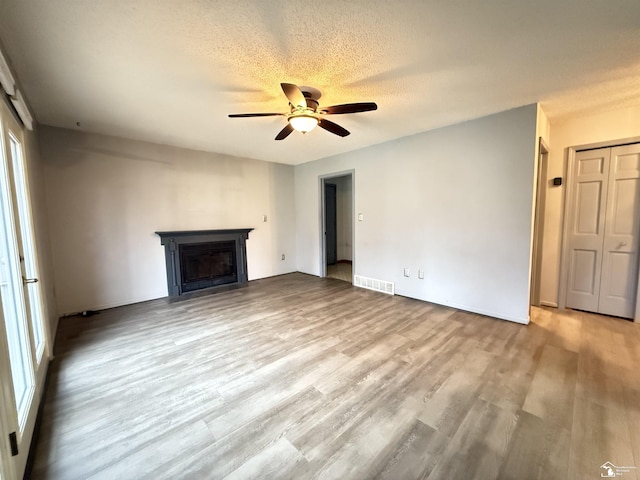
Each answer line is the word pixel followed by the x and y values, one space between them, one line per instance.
pixel 456 202
pixel 107 196
pixel 344 216
pixel 571 132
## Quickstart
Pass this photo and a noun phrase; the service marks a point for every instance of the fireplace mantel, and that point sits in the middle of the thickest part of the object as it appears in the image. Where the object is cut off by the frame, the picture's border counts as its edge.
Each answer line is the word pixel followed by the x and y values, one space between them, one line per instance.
pixel 174 240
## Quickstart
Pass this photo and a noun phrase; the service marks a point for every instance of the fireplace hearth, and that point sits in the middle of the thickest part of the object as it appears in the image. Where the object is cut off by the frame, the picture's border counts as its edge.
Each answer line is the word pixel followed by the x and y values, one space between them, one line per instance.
pixel 204 260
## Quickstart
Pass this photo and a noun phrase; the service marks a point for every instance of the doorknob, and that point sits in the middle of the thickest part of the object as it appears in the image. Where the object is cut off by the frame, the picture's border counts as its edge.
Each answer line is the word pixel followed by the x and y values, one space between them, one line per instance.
pixel 29 280
pixel 621 244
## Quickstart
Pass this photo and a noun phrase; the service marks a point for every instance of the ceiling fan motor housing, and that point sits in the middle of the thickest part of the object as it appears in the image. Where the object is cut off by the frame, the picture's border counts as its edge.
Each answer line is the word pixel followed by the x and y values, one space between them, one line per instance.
pixel 311 103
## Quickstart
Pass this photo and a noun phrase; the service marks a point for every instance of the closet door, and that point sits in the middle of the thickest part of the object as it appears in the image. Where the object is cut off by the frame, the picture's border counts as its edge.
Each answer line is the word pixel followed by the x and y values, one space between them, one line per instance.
pixel 590 176
pixel 620 244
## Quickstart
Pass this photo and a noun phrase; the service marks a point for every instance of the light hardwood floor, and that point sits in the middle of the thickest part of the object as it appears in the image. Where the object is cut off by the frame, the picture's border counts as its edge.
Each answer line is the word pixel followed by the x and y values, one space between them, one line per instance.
pixel 300 377
pixel 340 271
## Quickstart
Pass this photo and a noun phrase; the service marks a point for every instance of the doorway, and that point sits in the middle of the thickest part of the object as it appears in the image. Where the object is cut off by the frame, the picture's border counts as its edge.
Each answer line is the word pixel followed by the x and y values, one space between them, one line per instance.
pixel 337 226
pixel 538 224
pixel 600 256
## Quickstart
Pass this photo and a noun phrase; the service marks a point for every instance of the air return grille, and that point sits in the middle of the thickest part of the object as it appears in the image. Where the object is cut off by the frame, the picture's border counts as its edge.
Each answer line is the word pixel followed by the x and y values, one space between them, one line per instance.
pixel 373 284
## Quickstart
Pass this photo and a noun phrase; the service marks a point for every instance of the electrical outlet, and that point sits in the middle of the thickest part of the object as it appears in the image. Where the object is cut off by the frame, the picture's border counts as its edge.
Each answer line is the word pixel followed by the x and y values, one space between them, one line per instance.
pixel 421 274
pixel 283 256
pixel 407 273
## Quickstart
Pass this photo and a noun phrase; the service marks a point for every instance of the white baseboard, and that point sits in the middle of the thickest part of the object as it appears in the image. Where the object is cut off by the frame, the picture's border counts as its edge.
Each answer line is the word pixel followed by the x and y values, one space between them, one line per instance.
pixel 466 308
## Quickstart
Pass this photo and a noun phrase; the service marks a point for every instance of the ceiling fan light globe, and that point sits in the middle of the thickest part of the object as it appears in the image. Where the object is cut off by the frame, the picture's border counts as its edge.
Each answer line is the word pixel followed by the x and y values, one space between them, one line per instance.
pixel 303 123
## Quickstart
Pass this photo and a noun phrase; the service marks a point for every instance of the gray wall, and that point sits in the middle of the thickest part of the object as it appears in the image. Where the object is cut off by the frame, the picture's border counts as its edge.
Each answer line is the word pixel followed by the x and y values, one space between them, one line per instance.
pixel 107 196
pixel 455 202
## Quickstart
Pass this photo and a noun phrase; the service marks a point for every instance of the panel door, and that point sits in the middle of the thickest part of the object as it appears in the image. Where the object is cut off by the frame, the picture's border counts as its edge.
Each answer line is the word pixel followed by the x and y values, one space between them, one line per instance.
pixel 621 236
pixel 589 196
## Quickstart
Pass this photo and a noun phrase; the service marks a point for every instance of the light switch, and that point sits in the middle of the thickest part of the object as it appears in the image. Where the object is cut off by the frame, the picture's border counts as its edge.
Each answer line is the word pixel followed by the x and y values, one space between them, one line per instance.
pixel 360 217
pixel 421 274
pixel 264 218
pixel 406 272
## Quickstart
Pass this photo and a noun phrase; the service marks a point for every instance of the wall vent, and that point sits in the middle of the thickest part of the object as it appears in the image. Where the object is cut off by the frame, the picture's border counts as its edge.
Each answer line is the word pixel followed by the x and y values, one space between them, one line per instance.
pixel 373 284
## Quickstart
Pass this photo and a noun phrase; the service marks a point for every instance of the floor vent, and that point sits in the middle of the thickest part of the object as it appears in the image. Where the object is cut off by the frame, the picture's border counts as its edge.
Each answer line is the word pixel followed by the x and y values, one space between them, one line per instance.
pixel 373 284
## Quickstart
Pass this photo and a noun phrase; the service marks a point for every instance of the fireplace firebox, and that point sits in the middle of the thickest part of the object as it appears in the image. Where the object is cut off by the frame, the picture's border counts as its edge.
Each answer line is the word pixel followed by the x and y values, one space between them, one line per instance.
pixel 207 265
pixel 204 259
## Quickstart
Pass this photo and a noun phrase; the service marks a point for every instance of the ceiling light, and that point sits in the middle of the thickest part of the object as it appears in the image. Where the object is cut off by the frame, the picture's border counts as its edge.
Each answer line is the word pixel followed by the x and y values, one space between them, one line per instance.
pixel 303 123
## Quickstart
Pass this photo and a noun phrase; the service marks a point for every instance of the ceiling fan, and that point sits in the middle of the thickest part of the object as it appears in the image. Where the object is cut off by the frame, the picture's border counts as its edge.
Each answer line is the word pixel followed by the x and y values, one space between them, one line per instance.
pixel 306 114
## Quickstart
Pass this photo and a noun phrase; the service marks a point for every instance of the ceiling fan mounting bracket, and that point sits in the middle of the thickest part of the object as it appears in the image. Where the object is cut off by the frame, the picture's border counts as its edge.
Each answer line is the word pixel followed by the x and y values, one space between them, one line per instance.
pixel 310 93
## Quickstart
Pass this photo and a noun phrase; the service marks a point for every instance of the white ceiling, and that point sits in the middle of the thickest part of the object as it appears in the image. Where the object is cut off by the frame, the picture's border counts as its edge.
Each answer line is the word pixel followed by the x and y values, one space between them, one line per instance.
pixel 170 71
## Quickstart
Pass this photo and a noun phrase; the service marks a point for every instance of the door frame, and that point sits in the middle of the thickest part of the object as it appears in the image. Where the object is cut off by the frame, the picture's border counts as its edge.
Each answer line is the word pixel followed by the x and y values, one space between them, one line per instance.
pixel 568 215
pixel 538 224
pixel 323 244
pixel 10 420
pixel 8 411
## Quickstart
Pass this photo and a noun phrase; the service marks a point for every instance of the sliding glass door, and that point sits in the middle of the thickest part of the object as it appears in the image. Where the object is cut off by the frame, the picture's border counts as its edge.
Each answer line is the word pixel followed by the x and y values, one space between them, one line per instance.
pixel 23 339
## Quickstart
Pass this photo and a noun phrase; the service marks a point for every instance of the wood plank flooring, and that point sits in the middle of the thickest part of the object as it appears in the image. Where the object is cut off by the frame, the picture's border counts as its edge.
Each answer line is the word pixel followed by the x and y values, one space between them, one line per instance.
pixel 340 271
pixel 300 377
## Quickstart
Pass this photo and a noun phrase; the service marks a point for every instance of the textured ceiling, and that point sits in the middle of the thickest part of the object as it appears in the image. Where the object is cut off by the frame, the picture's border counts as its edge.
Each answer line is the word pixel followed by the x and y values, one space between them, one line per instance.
pixel 170 71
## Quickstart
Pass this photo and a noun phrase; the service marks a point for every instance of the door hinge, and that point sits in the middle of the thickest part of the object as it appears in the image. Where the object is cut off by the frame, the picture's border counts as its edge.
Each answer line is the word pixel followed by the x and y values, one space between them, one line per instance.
pixel 13 440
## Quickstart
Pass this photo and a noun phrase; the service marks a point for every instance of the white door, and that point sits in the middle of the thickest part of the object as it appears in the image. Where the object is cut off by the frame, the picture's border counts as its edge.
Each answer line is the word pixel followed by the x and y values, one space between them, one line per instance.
pixel 590 176
pixel 603 256
pixel 620 252
pixel 22 340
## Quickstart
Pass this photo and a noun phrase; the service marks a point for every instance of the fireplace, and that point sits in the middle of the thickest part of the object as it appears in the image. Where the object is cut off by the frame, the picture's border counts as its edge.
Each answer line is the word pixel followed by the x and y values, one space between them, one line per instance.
pixel 206 265
pixel 199 260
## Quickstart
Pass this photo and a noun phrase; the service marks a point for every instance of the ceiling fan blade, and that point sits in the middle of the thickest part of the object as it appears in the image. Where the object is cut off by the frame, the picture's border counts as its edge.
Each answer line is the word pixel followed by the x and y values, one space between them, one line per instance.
pixel 350 108
pixel 294 94
pixel 333 127
pixel 284 133
pixel 243 115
